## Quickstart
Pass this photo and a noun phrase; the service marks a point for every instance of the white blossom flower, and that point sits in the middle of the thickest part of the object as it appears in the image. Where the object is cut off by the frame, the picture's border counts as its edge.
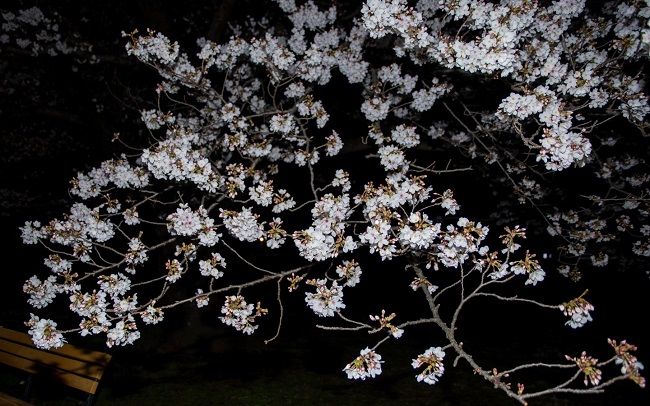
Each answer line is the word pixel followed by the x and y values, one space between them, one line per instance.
pixel 44 333
pixel 432 359
pixel 350 271
pixel 325 301
pixel 57 264
pixel 366 365
pixel 125 332
pixel 41 293
pixel 184 221
pixel 239 314
pixel 201 300
pixel 152 315
pixel 114 285
pixel 578 311
pixel 243 225
pixel 334 144
pixel 209 268
pixel 31 232
pixel 375 109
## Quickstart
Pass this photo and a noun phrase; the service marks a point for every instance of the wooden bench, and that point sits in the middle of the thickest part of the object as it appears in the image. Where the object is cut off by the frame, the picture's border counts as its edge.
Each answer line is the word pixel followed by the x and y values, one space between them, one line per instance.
pixel 69 365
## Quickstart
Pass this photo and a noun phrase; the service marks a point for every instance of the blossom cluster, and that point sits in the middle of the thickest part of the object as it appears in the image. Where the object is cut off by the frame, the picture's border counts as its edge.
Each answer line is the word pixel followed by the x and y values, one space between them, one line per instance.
pixel 188 222
pixel 578 310
pixel 41 293
pixel 116 171
pixel 325 237
pixel 240 314
pixel 385 323
pixel 458 243
pixel 77 230
pixel 176 159
pixel 434 368
pixel 587 365
pixel 44 333
pixel 366 365
pixel 243 225
pixel 326 300
pixel 125 332
pixel 630 365
pixel 247 129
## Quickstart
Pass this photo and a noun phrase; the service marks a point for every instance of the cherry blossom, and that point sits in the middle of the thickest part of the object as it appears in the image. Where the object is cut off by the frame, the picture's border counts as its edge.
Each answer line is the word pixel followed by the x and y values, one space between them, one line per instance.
pixel 341 128
pixel 366 365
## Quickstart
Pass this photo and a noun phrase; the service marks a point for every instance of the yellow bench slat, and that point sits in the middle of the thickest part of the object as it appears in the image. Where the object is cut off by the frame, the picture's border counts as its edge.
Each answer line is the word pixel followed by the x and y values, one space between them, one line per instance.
pixel 72 366
pixel 75 381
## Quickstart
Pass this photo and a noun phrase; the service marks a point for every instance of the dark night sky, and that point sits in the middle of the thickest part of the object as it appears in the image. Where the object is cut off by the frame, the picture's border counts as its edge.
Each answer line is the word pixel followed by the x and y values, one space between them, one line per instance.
pixel 51 128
